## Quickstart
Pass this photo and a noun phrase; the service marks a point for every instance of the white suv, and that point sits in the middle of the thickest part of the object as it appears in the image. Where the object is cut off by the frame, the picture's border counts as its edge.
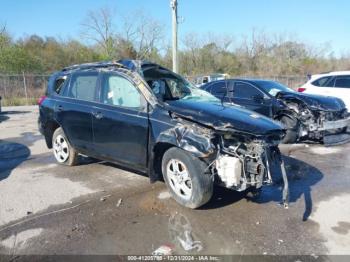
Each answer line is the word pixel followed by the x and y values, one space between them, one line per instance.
pixel 330 84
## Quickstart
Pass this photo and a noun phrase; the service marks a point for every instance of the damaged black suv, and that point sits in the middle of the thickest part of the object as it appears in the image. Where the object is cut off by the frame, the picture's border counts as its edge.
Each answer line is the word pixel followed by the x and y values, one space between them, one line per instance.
pixel 305 116
pixel 147 118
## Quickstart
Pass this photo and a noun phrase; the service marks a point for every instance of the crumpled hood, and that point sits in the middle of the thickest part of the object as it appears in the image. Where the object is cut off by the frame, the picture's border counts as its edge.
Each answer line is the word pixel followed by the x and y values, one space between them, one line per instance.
pixel 324 103
pixel 220 115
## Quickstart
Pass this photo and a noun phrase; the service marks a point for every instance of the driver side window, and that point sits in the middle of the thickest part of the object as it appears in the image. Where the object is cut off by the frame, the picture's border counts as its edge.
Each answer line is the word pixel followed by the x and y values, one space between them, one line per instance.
pixel 119 91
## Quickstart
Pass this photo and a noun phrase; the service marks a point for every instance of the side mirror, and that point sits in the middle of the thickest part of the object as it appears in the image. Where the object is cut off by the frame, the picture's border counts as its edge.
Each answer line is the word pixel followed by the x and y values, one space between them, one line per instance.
pixel 258 98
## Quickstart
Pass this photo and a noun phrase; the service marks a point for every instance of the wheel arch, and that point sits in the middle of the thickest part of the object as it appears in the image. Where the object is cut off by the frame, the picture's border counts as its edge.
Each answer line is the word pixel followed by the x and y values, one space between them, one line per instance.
pixel 156 162
pixel 50 128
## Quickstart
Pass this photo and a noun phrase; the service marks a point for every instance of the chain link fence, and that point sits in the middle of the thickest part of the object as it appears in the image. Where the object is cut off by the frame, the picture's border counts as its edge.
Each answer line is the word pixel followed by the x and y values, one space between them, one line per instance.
pixel 293 82
pixel 22 89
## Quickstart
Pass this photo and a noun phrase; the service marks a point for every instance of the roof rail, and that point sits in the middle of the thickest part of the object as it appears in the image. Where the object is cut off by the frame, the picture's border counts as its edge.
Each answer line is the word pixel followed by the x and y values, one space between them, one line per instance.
pixel 93 65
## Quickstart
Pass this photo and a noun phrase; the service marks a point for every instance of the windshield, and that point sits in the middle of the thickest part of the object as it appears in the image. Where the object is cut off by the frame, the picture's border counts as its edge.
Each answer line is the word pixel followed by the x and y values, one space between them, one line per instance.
pixel 273 88
pixel 171 86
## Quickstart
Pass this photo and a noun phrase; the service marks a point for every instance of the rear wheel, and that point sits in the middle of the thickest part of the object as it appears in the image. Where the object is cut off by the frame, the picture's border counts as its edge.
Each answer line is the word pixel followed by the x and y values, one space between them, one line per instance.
pixel 64 153
pixel 188 178
pixel 292 129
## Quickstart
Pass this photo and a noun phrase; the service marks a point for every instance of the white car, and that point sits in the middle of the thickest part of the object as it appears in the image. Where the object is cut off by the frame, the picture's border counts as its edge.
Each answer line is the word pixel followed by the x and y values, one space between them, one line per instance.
pixel 335 84
pixel 201 80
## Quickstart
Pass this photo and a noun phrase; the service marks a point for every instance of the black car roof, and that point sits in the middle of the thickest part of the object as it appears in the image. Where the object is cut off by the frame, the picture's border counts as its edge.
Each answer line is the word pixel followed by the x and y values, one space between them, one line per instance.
pixel 248 80
pixel 130 64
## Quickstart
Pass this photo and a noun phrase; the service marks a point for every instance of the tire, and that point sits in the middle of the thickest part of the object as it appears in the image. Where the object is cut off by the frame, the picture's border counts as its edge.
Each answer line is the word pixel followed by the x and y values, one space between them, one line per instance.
pixel 292 132
pixel 187 178
pixel 64 153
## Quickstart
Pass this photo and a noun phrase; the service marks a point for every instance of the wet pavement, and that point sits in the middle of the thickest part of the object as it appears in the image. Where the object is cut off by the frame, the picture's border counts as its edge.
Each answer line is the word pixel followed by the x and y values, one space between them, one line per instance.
pixel 98 208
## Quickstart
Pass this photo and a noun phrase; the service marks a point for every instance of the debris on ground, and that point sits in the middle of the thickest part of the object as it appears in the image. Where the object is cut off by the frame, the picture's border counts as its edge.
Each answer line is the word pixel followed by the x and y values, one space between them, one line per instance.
pixel 180 231
pixel 29 213
pixel 164 250
pixel 164 195
pixel 189 244
pixel 102 199
pixel 119 202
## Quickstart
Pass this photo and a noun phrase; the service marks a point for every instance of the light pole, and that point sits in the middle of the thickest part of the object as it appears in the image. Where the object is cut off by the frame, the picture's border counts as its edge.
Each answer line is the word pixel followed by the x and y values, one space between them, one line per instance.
pixel 173 5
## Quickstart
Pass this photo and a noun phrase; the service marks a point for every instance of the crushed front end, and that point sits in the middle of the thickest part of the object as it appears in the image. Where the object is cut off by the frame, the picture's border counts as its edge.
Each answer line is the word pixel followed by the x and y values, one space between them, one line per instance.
pixel 245 161
pixel 330 127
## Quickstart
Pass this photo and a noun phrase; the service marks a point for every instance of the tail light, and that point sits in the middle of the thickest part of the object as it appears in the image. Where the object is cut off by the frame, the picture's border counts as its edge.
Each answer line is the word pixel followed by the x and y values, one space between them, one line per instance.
pixel 41 100
pixel 301 89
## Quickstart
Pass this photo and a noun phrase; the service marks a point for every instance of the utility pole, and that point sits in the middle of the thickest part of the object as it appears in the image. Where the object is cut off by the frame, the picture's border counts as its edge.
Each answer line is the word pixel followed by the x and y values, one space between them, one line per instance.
pixel 173 5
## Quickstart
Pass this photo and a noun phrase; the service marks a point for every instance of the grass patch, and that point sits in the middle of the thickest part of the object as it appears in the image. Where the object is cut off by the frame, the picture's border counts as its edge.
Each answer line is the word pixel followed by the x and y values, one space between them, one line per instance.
pixel 19 101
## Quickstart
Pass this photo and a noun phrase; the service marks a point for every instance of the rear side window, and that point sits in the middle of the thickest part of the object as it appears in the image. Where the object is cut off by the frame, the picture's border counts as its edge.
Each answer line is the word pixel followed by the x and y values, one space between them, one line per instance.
pixel 323 81
pixel 219 89
pixel 59 84
pixel 342 82
pixel 83 86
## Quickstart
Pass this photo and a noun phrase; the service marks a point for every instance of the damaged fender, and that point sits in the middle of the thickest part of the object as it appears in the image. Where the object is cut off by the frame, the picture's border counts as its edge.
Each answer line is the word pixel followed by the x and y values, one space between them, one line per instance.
pixel 194 139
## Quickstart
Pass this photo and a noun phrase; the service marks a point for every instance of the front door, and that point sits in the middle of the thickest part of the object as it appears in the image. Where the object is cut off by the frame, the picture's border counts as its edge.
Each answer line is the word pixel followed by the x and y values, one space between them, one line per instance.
pixel 120 121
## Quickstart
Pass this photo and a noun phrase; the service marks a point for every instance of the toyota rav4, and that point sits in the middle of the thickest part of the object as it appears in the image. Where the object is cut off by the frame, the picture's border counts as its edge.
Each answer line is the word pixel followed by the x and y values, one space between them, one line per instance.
pixel 147 118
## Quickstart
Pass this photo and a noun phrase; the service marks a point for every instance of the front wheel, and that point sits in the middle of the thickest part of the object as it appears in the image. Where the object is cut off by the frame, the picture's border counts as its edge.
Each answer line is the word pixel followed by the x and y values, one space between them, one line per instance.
pixel 187 178
pixel 292 129
pixel 64 153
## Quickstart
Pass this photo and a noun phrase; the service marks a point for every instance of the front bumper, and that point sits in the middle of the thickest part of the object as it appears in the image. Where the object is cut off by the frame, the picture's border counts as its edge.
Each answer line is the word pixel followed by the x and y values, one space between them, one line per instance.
pixel 337 139
pixel 331 125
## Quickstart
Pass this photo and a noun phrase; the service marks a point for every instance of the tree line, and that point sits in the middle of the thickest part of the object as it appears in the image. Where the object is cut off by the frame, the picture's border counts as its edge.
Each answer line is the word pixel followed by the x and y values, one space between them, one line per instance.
pixel 139 36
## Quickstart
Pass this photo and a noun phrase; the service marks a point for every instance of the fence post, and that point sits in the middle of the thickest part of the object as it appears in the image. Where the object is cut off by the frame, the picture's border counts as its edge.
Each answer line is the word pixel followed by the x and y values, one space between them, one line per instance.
pixel 25 87
pixel 4 83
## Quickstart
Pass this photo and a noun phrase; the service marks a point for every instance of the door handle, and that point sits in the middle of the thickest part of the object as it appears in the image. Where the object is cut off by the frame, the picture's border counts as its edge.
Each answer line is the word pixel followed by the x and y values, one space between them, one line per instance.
pixel 97 115
pixel 60 108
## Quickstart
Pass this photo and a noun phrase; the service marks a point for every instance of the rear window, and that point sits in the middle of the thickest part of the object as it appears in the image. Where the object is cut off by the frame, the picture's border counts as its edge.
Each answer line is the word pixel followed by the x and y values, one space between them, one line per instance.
pixel 83 86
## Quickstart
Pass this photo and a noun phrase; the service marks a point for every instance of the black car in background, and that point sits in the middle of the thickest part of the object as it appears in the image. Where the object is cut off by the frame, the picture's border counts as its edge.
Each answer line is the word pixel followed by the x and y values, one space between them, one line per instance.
pixel 305 116
pixel 147 118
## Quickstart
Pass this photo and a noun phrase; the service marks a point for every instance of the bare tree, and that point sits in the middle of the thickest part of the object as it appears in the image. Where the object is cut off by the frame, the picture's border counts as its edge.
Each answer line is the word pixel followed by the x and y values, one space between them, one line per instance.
pixel 143 32
pixel 98 27
pixel 2 29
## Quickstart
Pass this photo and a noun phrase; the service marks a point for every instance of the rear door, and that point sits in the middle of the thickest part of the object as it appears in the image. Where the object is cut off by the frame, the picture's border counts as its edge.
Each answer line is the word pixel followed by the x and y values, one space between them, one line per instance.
pixel 73 109
pixel 220 90
pixel 250 97
pixel 322 86
pixel 120 121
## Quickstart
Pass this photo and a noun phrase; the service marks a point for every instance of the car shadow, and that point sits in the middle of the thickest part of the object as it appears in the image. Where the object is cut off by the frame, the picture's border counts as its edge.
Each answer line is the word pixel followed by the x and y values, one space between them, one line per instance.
pixel 4 115
pixel 11 155
pixel 301 176
pixel 14 112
